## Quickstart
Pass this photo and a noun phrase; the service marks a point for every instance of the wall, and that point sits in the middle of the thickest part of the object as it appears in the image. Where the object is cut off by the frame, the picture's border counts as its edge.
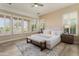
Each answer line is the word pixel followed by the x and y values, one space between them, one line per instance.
pixel 54 19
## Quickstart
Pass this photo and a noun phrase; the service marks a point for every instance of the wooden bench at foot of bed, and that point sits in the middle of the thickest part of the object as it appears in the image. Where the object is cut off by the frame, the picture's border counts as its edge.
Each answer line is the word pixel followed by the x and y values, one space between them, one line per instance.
pixel 41 44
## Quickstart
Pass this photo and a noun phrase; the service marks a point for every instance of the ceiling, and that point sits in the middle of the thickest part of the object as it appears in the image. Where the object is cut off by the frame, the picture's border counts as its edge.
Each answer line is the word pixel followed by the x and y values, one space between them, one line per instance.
pixel 28 10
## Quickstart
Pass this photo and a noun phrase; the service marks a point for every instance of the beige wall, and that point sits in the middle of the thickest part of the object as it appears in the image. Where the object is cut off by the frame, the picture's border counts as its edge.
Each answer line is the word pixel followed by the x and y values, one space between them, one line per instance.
pixel 54 19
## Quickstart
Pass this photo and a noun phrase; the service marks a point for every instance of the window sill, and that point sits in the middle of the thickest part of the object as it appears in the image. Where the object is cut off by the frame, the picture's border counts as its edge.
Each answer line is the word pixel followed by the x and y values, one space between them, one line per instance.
pixel 9 34
pixel 5 34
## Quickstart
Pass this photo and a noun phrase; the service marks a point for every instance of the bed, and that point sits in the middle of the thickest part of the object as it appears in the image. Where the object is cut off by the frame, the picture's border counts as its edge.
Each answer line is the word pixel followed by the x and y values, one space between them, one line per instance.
pixel 51 40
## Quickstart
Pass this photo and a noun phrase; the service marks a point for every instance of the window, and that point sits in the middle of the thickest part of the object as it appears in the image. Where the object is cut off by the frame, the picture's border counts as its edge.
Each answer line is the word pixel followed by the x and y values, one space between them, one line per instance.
pixel 2 26
pixel 5 26
pixel 38 25
pixel 42 24
pixel 34 25
pixel 70 23
pixel 17 26
pixel 25 26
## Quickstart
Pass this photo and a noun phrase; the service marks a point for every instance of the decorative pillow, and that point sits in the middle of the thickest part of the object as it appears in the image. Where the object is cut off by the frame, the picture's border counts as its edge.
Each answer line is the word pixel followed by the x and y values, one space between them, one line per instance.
pixel 56 32
pixel 47 32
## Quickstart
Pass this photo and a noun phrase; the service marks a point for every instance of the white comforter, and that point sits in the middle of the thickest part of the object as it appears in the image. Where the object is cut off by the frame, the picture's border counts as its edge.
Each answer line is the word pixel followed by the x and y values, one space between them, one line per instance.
pixel 51 41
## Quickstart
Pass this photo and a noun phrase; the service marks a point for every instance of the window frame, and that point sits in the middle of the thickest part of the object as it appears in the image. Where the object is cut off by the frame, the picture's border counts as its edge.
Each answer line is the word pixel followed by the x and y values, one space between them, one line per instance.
pixel 27 25
pixel 17 19
pixel 4 23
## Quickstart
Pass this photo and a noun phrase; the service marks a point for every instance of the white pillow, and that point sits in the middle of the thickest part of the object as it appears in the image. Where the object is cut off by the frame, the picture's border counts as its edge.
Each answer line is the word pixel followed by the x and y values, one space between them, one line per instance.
pixel 47 32
pixel 55 33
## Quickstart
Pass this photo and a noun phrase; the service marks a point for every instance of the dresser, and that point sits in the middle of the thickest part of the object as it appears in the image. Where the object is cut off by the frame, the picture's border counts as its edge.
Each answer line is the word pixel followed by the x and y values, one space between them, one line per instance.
pixel 67 38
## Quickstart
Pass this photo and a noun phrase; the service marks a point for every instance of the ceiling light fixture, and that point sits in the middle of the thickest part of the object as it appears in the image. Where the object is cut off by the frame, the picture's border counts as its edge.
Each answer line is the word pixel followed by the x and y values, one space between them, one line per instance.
pixel 37 4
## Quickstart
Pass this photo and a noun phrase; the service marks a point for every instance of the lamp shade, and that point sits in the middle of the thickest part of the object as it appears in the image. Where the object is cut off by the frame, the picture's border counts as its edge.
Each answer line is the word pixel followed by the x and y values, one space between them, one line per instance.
pixel 67 26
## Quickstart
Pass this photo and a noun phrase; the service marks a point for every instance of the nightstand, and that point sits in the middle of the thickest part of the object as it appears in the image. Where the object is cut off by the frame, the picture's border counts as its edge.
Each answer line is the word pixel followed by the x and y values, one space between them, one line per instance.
pixel 67 38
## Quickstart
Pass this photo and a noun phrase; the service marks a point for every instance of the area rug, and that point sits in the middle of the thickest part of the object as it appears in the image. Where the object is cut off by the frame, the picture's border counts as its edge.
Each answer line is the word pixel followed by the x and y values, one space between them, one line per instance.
pixel 28 49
